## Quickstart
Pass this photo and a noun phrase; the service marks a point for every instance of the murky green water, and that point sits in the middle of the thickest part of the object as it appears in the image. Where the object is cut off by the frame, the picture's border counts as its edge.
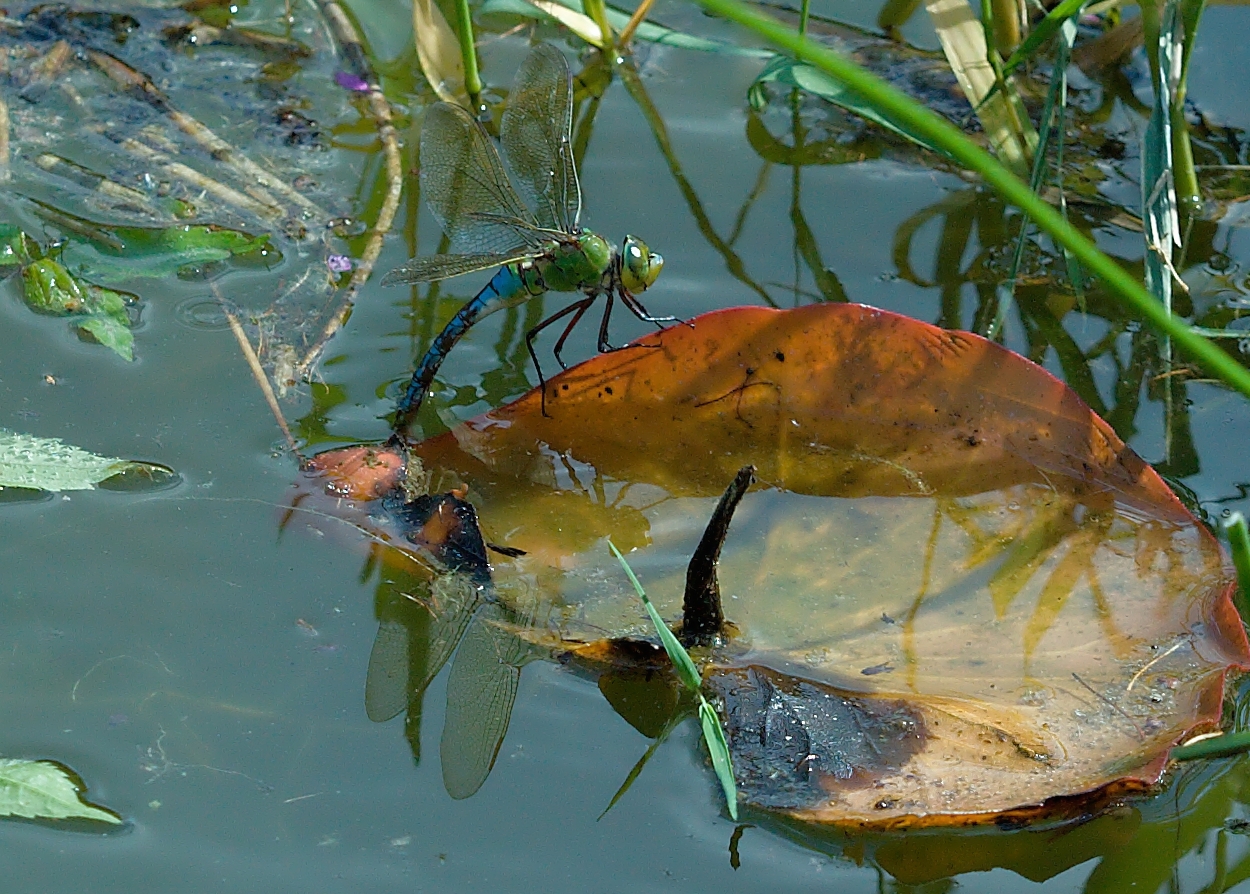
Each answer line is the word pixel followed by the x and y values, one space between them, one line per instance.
pixel 204 670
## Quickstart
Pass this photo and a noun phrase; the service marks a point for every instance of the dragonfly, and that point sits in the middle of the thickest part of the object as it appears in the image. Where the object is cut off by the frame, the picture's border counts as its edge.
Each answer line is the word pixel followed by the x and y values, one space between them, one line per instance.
pixel 537 241
pixel 456 611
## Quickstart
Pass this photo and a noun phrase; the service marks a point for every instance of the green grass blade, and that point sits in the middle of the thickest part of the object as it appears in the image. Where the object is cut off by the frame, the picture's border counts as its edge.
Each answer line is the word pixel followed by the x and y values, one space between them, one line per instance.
pixel 718 748
pixel 893 103
pixel 1042 32
pixel 1239 544
pixel 713 732
pixel 1051 124
pixel 1161 223
pixel 686 670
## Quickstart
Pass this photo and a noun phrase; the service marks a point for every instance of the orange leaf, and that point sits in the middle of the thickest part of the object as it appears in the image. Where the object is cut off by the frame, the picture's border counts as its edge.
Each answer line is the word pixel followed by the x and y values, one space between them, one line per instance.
pixel 954 584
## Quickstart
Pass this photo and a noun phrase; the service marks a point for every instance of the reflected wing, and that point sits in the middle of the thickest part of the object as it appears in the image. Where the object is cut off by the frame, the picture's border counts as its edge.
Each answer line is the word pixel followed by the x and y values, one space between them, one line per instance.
pixel 464 183
pixel 536 137
pixel 436 267
pixel 453 602
pixel 480 693
pixel 386 684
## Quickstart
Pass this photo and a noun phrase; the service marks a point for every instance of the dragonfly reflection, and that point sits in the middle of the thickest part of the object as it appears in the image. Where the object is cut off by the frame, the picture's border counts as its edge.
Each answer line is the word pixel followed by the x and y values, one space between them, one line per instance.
pixel 424 620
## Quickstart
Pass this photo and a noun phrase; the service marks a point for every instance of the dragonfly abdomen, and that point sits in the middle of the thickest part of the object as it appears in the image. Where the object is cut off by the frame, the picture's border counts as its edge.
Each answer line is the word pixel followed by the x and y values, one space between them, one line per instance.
pixel 511 285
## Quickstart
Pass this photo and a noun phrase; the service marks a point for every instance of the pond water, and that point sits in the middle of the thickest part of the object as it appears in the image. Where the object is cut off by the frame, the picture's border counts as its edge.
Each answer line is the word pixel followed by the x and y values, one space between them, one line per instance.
pixel 202 665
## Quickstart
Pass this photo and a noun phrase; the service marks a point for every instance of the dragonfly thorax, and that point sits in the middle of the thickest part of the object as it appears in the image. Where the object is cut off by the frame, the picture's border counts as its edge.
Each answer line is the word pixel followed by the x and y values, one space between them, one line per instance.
pixel 577 264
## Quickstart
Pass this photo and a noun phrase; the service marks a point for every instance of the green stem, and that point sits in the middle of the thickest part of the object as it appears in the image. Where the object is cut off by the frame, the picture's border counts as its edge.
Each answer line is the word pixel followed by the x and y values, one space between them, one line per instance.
pixel 468 52
pixel 1185 177
pixel 947 137
pixel 1239 546
pixel 598 12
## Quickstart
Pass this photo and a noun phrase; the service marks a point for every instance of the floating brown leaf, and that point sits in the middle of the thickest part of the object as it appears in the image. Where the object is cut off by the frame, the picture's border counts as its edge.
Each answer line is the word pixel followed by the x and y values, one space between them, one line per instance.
pixel 960 595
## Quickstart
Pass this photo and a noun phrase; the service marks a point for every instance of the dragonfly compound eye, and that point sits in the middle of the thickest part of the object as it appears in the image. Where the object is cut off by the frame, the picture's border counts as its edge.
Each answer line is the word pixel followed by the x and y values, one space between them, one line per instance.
pixel 640 266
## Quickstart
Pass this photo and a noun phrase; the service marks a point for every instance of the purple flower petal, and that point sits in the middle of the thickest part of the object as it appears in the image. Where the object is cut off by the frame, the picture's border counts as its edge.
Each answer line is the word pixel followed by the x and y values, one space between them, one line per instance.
pixel 339 263
pixel 349 81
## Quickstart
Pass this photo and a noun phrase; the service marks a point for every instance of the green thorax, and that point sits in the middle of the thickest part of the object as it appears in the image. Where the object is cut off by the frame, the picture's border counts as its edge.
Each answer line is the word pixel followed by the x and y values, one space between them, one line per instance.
pixel 571 266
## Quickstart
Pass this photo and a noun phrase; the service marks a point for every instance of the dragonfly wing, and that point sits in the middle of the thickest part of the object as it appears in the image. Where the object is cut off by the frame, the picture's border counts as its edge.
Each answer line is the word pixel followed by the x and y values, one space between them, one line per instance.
pixel 536 136
pixel 386 684
pixel 480 694
pixel 435 267
pixel 462 179
pixel 453 601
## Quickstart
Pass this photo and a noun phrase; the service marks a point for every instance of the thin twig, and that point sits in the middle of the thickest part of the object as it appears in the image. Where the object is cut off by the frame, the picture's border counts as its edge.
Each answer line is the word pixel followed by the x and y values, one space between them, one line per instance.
pixel 348 38
pixel 178 170
pixel 1141 734
pixel 639 16
pixel 1152 663
pixel 258 373
pixel 4 140
pixel 141 85
pixel 101 185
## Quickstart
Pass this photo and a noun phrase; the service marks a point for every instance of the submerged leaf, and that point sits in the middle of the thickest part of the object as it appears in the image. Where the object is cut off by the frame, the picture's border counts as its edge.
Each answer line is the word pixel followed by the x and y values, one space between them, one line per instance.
pixel 45 790
pixel 948 551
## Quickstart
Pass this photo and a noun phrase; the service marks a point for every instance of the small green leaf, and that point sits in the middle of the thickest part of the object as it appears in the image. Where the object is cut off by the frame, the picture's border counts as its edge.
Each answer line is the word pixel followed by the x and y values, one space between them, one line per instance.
pixel 111 331
pixel 810 79
pixel 49 464
pixel 686 671
pixel 13 249
pixel 44 790
pixel 718 748
pixel 50 289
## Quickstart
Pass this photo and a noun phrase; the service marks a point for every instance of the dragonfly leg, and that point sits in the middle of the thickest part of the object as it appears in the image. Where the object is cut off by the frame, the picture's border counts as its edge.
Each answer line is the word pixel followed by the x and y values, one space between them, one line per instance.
pixel 636 308
pixel 582 306
pixel 578 309
pixel 603 346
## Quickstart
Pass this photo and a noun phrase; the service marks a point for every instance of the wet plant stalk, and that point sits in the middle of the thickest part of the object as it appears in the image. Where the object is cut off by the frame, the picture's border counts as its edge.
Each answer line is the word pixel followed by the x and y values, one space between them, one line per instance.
pixel 348 37
pixel 468 52
pixel 597 10
pixel 1239 545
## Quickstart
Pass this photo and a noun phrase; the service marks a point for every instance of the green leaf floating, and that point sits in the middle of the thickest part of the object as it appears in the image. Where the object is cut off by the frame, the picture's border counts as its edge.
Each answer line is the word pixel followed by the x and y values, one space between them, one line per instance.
pixel 45 790
pixel 51 289
pixel 112 332
pixel 792 73
pixel 50 464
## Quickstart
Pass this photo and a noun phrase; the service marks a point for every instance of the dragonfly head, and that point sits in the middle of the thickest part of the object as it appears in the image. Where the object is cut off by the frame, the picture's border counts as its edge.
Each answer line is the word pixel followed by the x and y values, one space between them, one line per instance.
pixel 640 266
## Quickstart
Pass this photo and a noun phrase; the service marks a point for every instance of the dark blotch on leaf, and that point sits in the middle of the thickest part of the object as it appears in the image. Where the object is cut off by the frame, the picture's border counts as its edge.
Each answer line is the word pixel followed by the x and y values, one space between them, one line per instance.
pixel 795 742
